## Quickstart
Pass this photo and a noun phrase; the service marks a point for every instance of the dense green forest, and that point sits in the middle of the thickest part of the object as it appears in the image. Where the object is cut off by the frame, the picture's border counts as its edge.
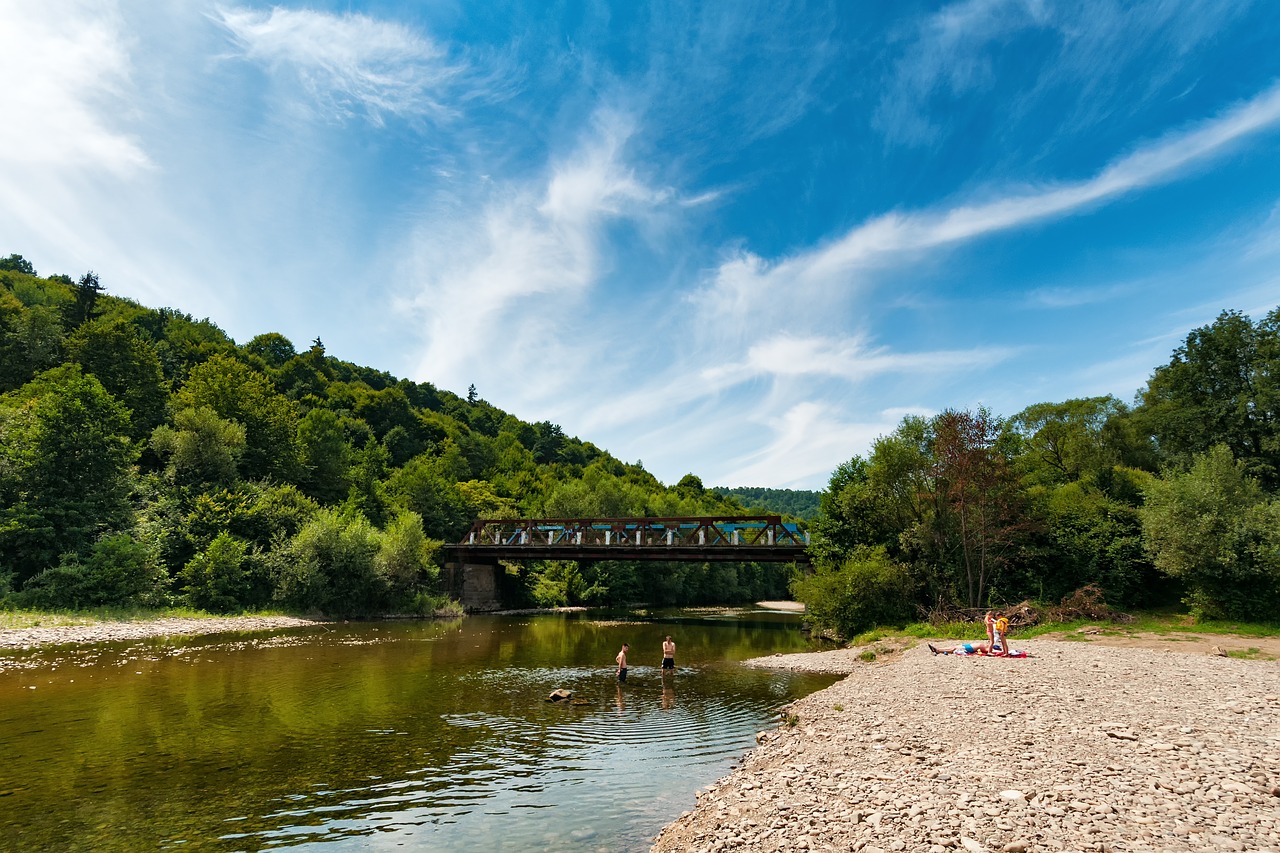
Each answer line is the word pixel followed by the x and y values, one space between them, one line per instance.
pixel 146 458
pixel 1173 500
pixel 796 502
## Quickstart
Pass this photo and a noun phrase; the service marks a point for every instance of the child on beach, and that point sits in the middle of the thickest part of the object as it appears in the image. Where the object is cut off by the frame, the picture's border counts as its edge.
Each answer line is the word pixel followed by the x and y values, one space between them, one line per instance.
pixel 997 644
pixel 989 621
pixel 962 649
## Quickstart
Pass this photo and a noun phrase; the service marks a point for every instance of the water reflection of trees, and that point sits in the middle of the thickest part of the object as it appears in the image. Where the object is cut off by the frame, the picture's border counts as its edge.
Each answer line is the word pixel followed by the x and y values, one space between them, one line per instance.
pixel 272 734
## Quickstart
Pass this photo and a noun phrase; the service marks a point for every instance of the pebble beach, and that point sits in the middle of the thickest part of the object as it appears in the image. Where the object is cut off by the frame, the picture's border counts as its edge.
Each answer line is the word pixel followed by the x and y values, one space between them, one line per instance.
pixel 113 631
pixel 1080 747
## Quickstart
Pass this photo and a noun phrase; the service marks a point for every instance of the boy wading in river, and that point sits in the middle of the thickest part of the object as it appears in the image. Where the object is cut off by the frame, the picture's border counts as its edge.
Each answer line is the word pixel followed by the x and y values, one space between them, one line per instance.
pixel 668 653
pixel 622 662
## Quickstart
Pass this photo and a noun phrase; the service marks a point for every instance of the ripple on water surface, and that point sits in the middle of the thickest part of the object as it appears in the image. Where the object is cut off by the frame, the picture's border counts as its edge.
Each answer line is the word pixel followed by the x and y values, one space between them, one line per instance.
pixel 418 740
pixel 619 757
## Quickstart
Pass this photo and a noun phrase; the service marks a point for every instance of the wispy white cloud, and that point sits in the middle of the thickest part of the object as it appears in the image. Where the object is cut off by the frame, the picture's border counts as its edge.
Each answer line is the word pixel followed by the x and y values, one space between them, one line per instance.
pixel 1075 297
pixel 67 71
pixel 348 63
pixel 1084 51
pixel 790 356
pixel 807 441
pixel 779 331
pixel 744 280
pixel 595 182
pixel 515 269
pixel 708 197
pixel 608 273
pixel 1263 241
pixel 949 52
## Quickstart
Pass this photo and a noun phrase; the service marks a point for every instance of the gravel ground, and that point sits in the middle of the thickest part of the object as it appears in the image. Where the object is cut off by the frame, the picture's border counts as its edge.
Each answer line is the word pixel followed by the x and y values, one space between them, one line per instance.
pixel 1080 747
pixel 109 632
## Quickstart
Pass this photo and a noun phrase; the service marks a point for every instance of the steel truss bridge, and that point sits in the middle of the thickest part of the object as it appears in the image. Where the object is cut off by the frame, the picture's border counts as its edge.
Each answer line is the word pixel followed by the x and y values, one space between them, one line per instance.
pixel 760 539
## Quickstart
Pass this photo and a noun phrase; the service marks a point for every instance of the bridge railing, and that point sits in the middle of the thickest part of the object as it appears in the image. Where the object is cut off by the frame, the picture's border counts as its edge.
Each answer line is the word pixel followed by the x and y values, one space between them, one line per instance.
pixel 691 531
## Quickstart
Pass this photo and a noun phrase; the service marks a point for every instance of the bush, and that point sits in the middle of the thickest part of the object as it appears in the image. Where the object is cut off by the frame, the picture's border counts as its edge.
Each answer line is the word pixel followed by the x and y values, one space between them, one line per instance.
pixel 118 570
pixel 440 606
pixel 560 583
pixel 1214 529
pixel 404 559
pixel 215 579
pixel 866 590
pixel 329 566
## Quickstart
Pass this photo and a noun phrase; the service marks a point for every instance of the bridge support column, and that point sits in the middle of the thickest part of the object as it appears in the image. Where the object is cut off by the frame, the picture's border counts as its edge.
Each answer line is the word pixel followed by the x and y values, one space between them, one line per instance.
pixel 475 585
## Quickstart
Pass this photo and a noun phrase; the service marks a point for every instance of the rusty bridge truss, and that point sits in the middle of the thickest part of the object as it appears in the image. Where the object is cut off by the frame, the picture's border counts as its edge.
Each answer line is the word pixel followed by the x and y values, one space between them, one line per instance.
pixel 762 538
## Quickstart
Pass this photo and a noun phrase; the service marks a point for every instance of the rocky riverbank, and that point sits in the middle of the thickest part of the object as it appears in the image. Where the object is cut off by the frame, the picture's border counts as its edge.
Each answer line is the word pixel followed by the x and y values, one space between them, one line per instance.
pixel 110 632
pixel 1080 747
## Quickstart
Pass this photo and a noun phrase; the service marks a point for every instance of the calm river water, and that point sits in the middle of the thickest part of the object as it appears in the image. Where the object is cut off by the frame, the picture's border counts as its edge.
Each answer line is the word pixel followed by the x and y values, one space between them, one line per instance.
pixel 386 736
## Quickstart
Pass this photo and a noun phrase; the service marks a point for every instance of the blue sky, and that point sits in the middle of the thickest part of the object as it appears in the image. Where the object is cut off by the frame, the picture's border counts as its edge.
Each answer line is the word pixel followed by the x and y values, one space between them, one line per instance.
pixel 735 239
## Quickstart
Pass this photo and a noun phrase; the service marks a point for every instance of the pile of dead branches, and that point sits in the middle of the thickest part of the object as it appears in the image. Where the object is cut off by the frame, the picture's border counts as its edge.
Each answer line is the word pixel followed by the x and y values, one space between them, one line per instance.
pixel 1021 615
pixel 1085 603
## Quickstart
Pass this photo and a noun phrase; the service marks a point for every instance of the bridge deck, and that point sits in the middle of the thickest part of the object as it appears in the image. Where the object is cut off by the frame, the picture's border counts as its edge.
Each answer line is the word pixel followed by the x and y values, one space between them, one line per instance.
pixel 685 539
pixel 591 553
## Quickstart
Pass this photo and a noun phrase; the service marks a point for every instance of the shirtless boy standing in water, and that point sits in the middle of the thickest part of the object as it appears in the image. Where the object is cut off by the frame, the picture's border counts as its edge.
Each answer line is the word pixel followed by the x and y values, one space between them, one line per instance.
pixel 668 653
pixel 622 662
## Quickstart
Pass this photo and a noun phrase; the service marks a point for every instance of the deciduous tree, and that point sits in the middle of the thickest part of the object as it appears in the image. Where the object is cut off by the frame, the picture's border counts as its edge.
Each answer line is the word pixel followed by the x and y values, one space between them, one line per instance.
pixel 239 393
pixel 1213 528
pixel 979 515
pixel 67 462
pixel 1222 386
pixel 200 447
pixel 127 365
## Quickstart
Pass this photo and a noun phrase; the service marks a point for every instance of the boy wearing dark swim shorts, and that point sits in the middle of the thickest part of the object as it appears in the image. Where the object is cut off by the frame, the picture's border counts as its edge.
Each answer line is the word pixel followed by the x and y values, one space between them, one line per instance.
pixel 622 662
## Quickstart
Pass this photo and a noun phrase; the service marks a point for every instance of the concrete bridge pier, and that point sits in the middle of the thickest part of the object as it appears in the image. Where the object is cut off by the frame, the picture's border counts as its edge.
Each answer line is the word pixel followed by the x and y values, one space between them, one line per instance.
pixel 476 585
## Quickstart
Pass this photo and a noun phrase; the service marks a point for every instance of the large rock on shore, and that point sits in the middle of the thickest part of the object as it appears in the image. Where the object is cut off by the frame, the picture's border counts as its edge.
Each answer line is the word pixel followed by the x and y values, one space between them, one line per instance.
pixel 1078 748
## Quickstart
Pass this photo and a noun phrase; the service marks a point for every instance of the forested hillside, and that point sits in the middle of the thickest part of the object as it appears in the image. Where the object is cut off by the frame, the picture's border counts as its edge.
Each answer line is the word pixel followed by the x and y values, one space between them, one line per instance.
pixel 145 457
pixel 796 502
pixel 1175 499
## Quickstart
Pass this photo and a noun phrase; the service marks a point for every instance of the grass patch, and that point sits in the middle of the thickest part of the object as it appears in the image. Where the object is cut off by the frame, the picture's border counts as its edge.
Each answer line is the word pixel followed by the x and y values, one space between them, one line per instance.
pixel 1185 623
pixel 1251 653
pixel 1163 624
pixel 944 631
pixel 868 656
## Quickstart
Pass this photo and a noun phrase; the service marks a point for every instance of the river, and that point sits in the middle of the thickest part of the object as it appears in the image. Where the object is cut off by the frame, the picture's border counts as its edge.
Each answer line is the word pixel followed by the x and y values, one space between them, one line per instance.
pixel 386 735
